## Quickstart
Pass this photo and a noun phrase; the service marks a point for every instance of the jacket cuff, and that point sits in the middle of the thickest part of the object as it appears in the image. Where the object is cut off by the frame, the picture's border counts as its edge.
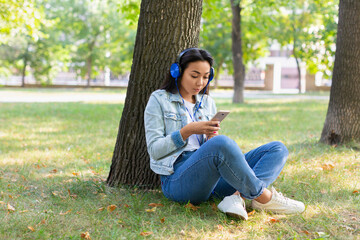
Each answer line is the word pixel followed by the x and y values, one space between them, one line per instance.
pixel 177 139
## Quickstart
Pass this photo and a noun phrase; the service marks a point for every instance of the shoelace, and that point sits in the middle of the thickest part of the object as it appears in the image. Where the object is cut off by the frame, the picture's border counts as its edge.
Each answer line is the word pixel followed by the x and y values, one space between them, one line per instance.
pixel 281 197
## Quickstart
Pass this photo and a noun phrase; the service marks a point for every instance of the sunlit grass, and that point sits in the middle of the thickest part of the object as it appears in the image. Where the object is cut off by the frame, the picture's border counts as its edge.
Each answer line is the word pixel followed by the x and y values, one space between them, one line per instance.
pixel 54 158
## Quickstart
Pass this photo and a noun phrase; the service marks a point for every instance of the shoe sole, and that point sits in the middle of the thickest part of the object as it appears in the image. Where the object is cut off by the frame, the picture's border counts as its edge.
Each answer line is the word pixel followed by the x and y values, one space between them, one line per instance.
pixel 234 215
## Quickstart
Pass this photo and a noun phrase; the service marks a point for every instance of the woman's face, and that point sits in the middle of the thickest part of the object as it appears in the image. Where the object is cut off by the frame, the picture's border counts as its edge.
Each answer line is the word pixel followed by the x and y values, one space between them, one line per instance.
pixel 194 78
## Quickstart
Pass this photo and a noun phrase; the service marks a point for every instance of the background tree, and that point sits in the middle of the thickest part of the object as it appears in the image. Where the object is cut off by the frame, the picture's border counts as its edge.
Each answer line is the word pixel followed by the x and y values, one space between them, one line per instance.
pixel 164 29
pixel 309 27
pixel 19 17
pixel 342 122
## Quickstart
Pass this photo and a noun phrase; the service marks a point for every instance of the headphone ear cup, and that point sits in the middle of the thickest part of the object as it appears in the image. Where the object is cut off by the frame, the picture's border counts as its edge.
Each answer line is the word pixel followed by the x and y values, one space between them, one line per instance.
pixel 212 73
pixel 175 70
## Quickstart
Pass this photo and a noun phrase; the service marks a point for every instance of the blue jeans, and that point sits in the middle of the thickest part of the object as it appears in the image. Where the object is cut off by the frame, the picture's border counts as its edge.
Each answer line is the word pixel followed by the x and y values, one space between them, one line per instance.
pixel 219 168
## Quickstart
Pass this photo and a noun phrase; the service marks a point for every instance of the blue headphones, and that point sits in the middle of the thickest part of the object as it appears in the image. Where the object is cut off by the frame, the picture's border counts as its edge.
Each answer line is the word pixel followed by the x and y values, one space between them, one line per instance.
pixel 176 71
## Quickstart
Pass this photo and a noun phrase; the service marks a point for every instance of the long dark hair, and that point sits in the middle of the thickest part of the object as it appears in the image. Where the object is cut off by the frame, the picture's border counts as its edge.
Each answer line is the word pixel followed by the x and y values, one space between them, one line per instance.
pixel 192 55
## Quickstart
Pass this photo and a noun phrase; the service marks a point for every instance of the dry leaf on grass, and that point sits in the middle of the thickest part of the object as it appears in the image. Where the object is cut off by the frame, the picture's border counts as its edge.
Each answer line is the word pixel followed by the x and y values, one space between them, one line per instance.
pixel 220 227
pixel 101 209
pixel 214 207
pixel 306 232
pixel 162 220
pixel 151 210
pixel 273 220
pixel 191 206
pixel 146 233
pixel 65 212
pixel 10 208
pixel 251 213
pixel 31 228
pixel 327 166
pixel 111 208
pixel 75 173
pixel 23 211
pixel 72 195
pixel 155 205
pixel 355 192
pixel 54 171
pixel 86 235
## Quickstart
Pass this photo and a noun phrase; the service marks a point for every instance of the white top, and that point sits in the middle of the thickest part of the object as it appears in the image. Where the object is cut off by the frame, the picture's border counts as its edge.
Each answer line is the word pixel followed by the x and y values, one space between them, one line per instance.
pixel 193 142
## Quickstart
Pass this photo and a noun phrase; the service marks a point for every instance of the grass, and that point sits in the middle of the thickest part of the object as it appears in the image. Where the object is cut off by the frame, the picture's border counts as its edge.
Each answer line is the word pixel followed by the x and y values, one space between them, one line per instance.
pixel 54 158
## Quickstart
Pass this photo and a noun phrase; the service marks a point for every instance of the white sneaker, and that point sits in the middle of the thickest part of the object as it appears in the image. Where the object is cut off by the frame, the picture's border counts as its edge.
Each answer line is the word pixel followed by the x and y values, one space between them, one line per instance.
pixel 279 204
pixel 233 206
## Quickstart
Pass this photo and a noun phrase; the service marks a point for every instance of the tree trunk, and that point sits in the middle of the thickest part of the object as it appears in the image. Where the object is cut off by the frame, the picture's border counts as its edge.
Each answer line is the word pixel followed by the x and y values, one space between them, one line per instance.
pixel 88 69
pixel 342 122
pixel 164 29
pixel 239 68
pixel 25 61
pixel 297 64
pixel 216 78
pixel 89 61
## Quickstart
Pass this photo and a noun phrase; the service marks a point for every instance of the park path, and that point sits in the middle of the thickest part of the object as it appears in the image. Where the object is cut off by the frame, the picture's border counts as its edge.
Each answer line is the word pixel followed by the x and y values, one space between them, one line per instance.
pixel 17 96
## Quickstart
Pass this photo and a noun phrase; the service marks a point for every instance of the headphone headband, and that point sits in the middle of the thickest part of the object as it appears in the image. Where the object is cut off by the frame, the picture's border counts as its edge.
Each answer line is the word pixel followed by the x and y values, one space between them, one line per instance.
pixel 183 52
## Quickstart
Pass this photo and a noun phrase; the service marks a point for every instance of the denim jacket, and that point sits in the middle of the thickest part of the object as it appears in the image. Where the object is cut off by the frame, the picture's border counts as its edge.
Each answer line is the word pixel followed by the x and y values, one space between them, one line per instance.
pixel 164 116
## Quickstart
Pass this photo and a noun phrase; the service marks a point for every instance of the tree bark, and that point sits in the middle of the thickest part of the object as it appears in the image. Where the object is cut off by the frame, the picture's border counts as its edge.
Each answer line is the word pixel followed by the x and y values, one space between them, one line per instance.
pixel 239 68
pixel 342 122
pixel 165 28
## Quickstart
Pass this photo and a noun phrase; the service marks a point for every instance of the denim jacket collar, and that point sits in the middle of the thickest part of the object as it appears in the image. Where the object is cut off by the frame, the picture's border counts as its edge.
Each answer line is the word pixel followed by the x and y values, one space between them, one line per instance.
pixel 175 97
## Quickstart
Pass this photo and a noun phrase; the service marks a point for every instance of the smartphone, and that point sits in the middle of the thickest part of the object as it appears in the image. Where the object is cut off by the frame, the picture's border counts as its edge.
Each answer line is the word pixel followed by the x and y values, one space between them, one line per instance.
pixel 220 115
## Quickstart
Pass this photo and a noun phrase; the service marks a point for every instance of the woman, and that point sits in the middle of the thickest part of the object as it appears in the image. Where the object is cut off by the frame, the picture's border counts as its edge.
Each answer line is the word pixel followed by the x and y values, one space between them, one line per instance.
pixel 195 162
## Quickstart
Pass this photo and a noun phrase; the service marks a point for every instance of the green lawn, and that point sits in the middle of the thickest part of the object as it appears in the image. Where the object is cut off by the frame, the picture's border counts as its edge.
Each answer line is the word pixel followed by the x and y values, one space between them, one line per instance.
pixel 55 157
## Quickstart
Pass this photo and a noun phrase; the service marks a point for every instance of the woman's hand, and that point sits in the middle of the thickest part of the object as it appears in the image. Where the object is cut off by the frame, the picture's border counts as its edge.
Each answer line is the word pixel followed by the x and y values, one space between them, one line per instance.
pixel 210 128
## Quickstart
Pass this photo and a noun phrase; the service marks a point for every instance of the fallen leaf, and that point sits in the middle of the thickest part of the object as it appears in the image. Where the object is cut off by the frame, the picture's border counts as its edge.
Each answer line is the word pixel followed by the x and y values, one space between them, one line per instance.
pixel 155 205
pixel 31 228
pixel 146 233
pixel 65 212
pixel 251 213
pixel 127 206
pixel 72 195
pixel 23 178
pixel 273 220
pixel 306 232
pixel 86 235
pixel 191 206
pixel 327 166
pixel 111 208
pixel 151 210
pixel 76 173
pixel 214 207
pixel 162 220
pixel 220 227
pixel 101 209
pixel 43 221
pixel 54 171
pixel 10 208
pixel 23 211
pixel 356 191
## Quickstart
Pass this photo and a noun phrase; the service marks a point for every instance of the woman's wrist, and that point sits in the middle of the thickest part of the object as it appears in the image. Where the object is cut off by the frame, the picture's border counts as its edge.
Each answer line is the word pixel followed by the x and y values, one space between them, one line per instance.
pixel 185 132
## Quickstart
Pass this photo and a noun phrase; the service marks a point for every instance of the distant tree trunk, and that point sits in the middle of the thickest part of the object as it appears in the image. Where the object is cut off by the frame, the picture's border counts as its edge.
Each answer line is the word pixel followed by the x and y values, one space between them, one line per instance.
pixel 164 29
pixel 89 61
pixel 342 122
pixel 25 63
pixel 88 70
pixel 239 68
pixel 217 70
pixel 297 64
